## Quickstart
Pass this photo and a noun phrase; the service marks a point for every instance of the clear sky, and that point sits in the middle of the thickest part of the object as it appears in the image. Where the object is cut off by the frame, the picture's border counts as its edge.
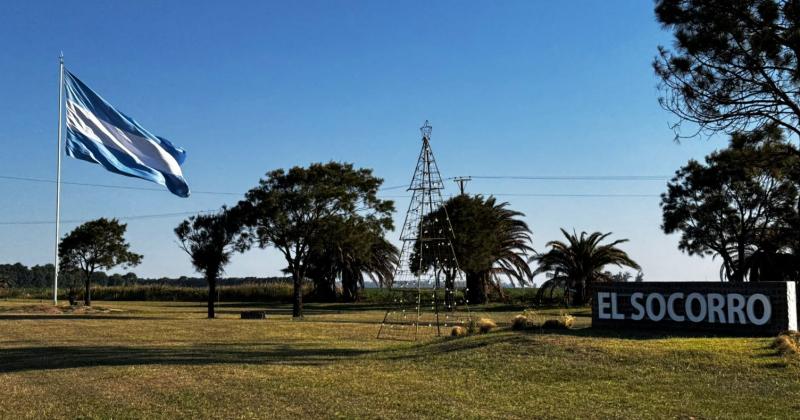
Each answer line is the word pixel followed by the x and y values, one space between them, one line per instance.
pixel 511 88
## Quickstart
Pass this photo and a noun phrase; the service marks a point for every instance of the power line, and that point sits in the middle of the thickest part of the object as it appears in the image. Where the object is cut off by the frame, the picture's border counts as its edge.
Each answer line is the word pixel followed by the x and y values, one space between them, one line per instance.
pixel 135 217
pixel 123 187
pixel 167 215
pixel 571 178
pixel 118 187
pixel 576 195
pixel 590 195
pixel 394 187
pixel 389 188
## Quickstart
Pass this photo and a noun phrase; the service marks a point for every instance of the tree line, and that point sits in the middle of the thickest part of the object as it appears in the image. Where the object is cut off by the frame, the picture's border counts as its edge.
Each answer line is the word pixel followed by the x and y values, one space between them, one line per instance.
pixel 18 275
pixel 330 226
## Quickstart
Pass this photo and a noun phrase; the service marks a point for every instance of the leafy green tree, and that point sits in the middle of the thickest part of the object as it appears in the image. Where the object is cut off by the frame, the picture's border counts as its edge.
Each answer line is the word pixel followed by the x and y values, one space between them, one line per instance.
pixel 328 248
pixel 96 245
pixel 210 240
pixel 126 279
pixel 740 205
pixel 100 278
pixel 490 242
pixel 576 264
pixel 287 208
pixel 18 275
pixel 620 277
pixel 734 64
pixel 42 275
pixel 15 275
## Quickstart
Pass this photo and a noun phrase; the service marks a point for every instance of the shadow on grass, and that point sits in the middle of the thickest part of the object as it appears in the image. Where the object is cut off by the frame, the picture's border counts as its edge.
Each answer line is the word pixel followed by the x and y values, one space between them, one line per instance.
pixel 66 357
pixel 446 345
pixel 310 308
pixel 43 317
pixel 328 307
pixel 39 358
pixel 777 365
pixel 646 333
pixel 505 336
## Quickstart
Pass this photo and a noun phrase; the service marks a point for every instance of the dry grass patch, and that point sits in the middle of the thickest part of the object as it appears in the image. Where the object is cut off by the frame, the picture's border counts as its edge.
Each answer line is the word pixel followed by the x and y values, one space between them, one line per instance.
pixel 49 309
pixel 520 322
pixel 485 325
pixel 787 343
pixel 527 320
pixel 458 331
pixel 563 322
pixel 530 319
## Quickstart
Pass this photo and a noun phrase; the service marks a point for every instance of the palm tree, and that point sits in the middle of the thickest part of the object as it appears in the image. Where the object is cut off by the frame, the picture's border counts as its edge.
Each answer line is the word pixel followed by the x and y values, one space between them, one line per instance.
pixel 510 257
pixel 350 250
pixel 378 264
pixel 490 241
pixel 578 263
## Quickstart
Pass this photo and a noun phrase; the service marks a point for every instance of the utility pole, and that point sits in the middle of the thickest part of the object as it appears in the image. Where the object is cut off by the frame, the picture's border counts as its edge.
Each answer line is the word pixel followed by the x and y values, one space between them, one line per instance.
pixel 461 181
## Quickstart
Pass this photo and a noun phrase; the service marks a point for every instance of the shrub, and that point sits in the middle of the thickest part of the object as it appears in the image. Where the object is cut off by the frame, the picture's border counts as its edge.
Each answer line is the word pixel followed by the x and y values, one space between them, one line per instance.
pixel 520 322
pixel 563 322
pixel 528 319
pixel 458 331
pixel 787 343
pixel 552 324
pixel 567 320
pixel 485 325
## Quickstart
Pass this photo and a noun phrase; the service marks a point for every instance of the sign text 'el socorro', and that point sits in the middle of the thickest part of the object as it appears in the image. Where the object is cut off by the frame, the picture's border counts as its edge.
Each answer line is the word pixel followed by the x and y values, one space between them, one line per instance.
pixel 748 308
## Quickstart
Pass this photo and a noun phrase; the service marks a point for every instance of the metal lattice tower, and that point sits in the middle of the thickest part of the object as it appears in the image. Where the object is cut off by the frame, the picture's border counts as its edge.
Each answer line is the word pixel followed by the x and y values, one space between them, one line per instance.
pixel 426 299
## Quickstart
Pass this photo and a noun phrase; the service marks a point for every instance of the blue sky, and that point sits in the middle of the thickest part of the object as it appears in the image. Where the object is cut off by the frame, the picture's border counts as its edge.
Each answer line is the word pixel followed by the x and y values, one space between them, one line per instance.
pixel 511 88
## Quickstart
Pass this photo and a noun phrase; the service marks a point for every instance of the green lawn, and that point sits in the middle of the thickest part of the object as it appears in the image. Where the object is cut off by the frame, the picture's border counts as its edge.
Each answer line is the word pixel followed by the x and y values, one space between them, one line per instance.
pixel 159 359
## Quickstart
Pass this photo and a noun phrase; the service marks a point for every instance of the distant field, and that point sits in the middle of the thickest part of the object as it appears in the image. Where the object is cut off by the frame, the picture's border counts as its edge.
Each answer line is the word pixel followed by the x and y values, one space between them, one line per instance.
pixel 280 292
pixel 163 359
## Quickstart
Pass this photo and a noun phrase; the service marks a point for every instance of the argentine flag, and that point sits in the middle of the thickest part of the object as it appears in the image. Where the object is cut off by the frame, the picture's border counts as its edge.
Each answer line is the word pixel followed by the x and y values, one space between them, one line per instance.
pixel 98 133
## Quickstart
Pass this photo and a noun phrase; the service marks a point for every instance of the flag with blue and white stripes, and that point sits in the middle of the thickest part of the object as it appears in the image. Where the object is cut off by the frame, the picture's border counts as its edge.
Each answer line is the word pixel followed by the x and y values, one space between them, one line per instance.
pixel 98 133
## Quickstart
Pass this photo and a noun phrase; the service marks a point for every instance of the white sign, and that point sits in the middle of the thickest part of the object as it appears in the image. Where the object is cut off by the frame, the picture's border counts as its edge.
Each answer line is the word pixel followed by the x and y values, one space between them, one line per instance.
pixel 715 308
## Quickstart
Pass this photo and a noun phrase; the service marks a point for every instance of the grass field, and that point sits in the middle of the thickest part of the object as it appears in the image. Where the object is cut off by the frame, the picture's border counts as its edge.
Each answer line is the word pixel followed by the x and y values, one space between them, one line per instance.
pixel 164 360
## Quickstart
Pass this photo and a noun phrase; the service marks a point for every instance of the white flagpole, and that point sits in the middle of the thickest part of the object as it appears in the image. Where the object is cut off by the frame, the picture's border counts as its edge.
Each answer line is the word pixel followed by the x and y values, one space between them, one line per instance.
pixel 58 173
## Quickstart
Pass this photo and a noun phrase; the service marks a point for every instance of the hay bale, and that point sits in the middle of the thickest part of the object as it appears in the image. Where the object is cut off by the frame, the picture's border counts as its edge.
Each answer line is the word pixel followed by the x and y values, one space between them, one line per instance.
pixel 458 331
pixel 485 325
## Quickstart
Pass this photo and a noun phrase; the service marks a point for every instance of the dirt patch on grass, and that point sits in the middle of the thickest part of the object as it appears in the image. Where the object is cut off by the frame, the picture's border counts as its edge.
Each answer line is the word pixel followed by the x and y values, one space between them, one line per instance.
pixel 45 309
